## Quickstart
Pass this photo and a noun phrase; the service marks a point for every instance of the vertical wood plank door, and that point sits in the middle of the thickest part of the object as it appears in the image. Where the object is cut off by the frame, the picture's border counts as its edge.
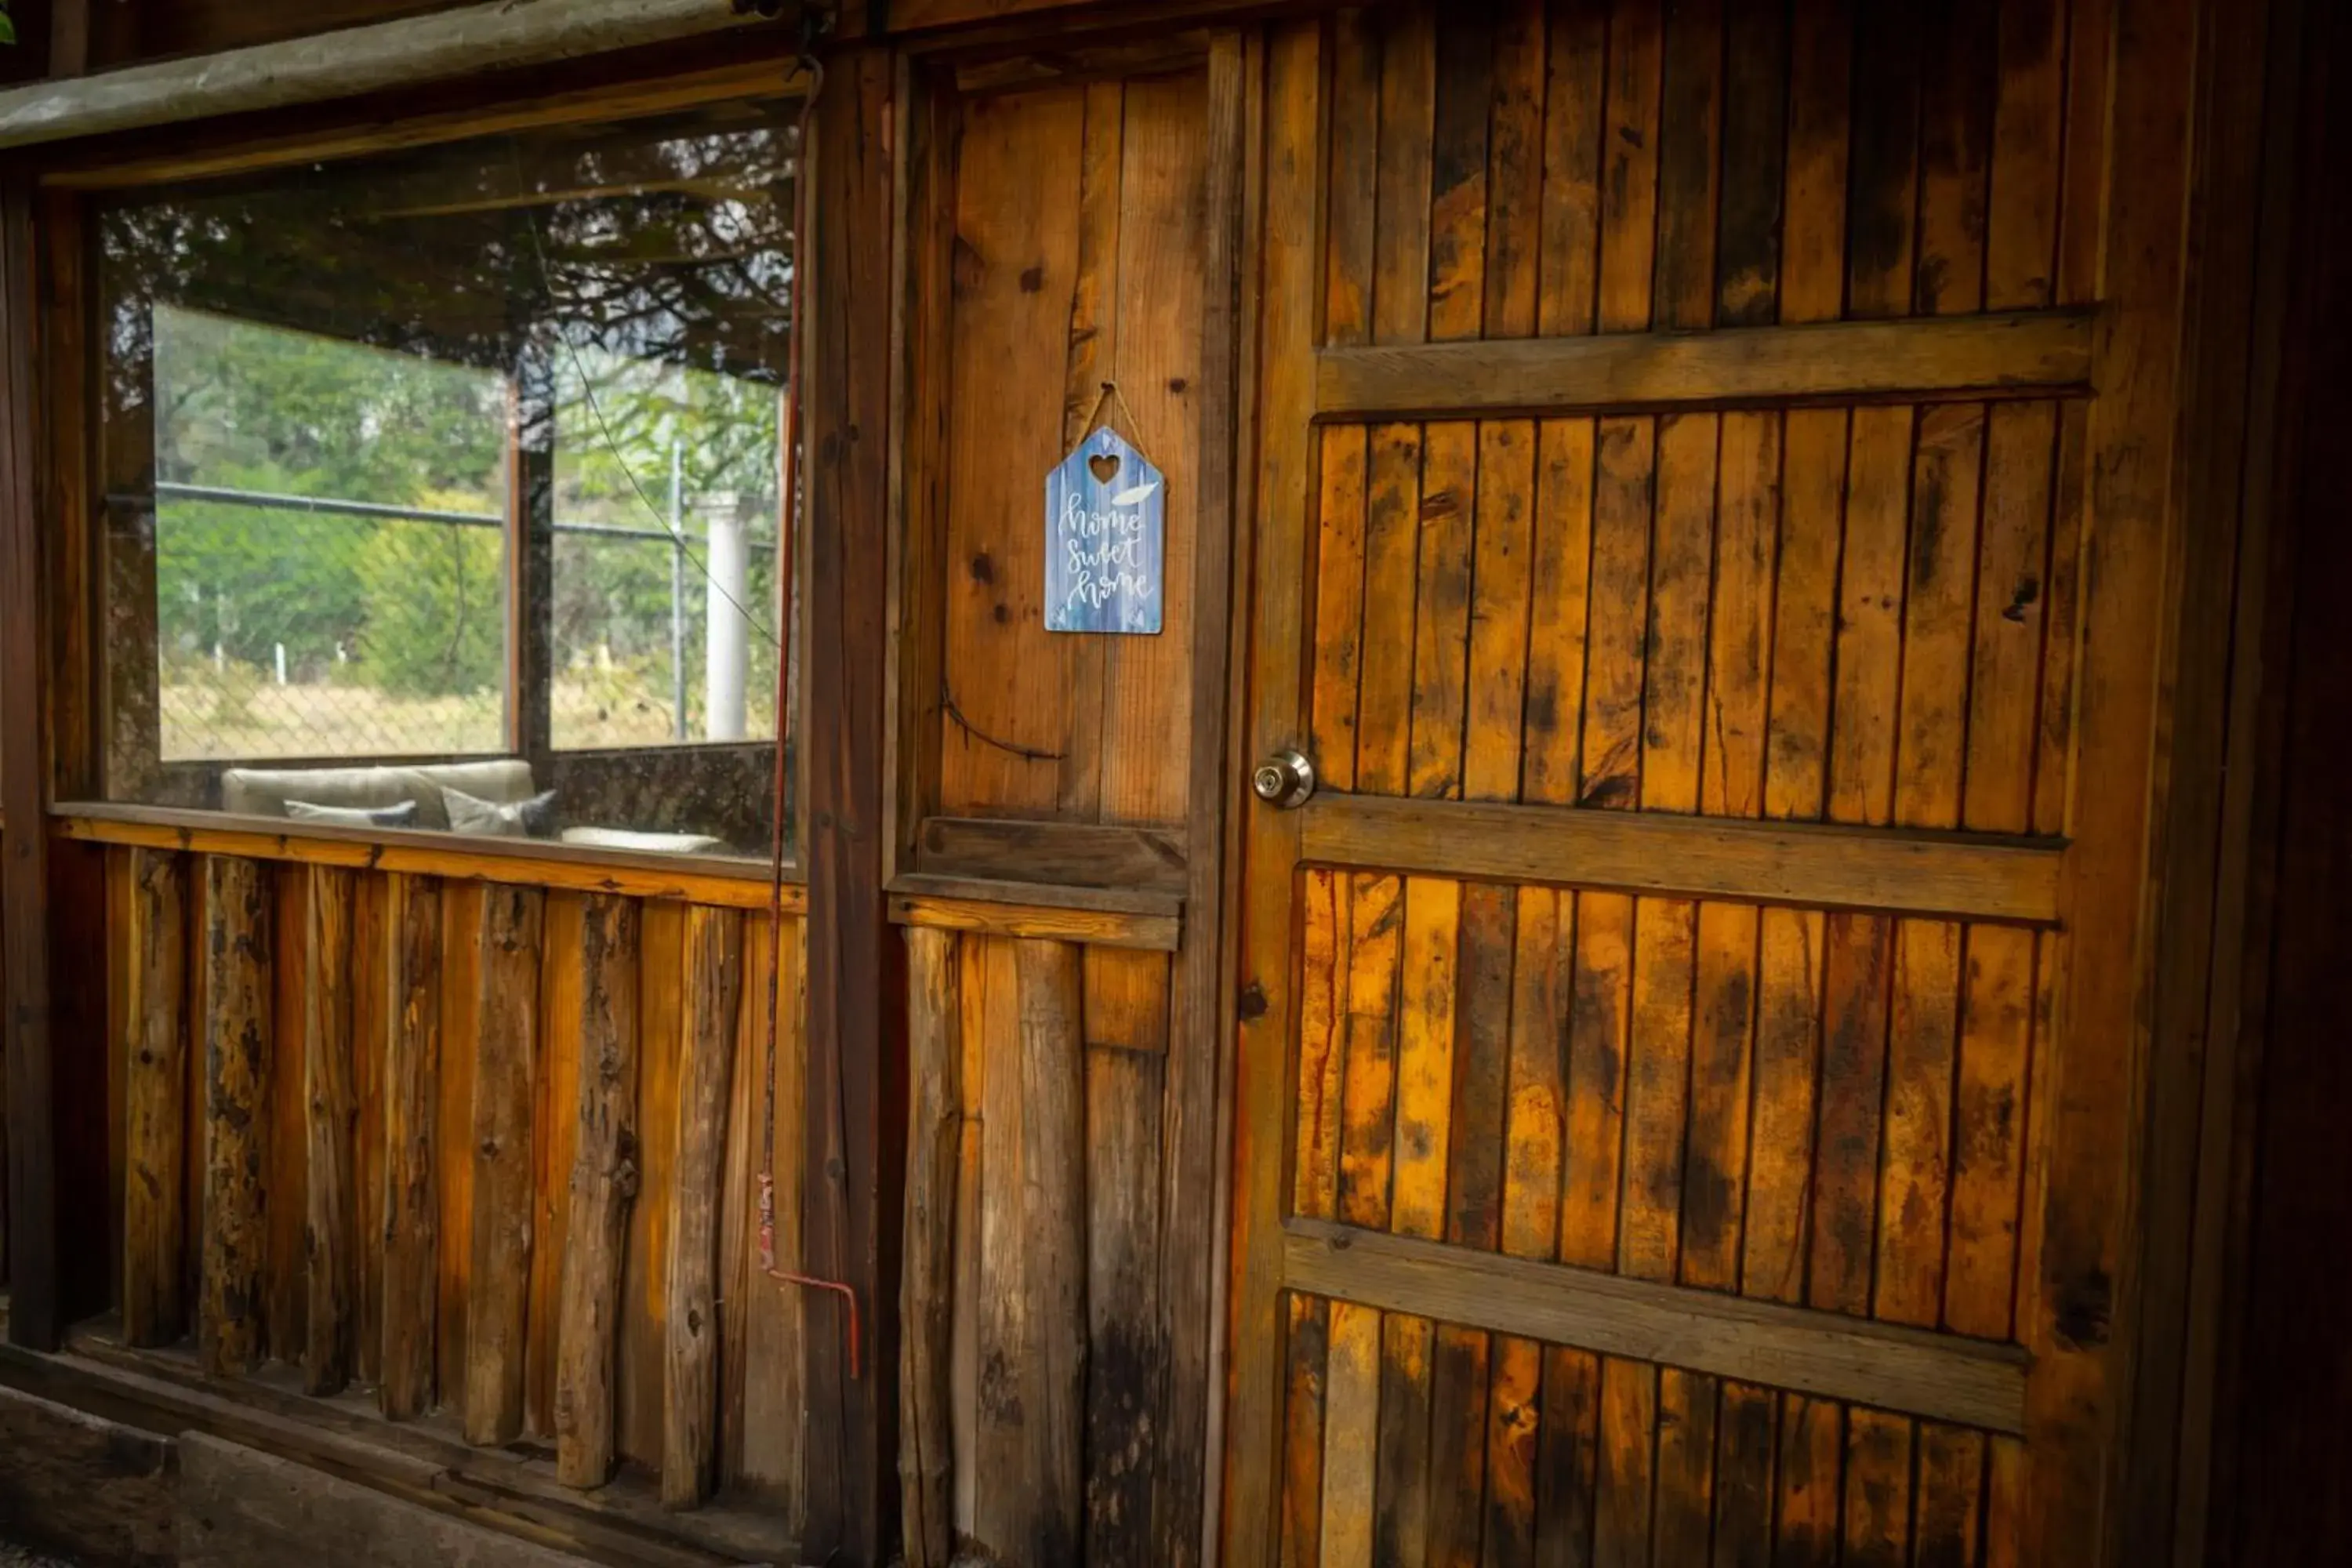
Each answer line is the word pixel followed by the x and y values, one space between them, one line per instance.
pixel 1688 1034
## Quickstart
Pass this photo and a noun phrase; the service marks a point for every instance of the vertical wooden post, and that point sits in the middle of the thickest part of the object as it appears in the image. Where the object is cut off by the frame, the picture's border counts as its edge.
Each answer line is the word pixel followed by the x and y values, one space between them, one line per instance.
pixel 1054 1215
pixel 154 1101
pixel 28 1194
pixel 1196 1088
pixel 412 1096
pixel 505 1052
pixel 330 1247
pixel 714 975
pixel 1032 1344
pixel 238 1028
pixel 854 1114
pixel 604 1186
pixel 927 1291
pixel 531 558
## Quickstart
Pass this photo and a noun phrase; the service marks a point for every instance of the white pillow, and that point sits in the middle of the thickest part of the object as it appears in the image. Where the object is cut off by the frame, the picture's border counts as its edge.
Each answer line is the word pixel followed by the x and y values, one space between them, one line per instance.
pixel 643 842
pixel 532 819
pixel 401 815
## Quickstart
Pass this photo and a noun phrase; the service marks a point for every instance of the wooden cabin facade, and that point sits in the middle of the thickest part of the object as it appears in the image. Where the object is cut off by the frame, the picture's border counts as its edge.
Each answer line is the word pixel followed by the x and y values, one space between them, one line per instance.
pixel 1701 935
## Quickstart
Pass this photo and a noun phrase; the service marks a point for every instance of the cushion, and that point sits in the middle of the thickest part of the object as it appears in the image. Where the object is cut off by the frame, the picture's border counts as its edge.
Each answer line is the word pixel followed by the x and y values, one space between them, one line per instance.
pixel 265 791
pixel 401 815
pixel 645 843
pixel 532 818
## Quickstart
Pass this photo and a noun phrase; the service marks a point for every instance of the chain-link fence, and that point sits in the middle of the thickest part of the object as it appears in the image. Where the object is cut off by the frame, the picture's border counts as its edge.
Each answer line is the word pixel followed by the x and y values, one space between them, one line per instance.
pixel 298 627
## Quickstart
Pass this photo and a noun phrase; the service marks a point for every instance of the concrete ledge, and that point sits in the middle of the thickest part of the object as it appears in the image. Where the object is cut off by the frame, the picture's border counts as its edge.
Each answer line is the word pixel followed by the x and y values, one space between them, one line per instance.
pixel 94 1488
pixel 240 1508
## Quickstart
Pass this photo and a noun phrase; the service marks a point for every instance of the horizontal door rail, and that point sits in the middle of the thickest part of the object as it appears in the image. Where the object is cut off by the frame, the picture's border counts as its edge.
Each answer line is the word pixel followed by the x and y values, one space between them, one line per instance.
pixel 1941 1377
pixel 2034 354
pixel 1897 871
pixel 1077 854
pixel 993 916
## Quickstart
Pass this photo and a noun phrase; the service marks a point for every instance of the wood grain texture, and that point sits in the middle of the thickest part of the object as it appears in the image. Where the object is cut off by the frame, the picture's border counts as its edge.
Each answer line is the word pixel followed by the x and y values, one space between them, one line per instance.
pixel 604 1189
pixel 1781 864
pixel 713 969
pixel 644 1302
pixel 104 1487
pixel 330 1226
pixel 461 1019
pixel 238 1067
pixel 411 1217
pixel 1083 854
pixel 285 1166
pixel 553 1138
pixel 1285 114
pixel 153 955
pixel 927 1301
pixel 1972 1382
pixel 1033 1343
pixel 517 862
pixel 506 1066
pixel 2023 353
pixel 1149 932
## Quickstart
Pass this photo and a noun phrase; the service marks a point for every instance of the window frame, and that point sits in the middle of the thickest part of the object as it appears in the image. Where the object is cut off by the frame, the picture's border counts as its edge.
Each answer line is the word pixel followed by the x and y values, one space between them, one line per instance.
pixel 82 699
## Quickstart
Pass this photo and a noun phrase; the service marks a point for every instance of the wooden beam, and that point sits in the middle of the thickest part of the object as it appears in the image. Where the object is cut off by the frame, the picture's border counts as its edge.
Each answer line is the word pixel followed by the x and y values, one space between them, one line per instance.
pixel 79 1483
pixel 714 982
pixel 854 1112
pixel 395 130
pixel 506 1050
pixel 1075 854
pixel 926 1288
pixel 1964 876
pixel 603 1187
pixel 153 952
pixel 1941 1377
pixel 237 1050
pixel 1196 1085
pixel 331 1105
pixel 28 1194
pixel 1030 1439
pixel 350 61
pixel 2031 353
pixel 242 1508
pixel 509 1490
pixel 515 861
pixel 1094 928
pixel 412 1099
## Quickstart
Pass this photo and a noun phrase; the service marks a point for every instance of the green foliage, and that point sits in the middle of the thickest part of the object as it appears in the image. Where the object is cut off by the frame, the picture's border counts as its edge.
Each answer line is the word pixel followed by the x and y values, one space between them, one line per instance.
pixel 416 609
pixel 436 617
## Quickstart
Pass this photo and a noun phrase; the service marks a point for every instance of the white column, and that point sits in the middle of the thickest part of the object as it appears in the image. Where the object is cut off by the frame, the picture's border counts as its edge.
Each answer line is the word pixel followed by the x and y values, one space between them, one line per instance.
pixel 726 636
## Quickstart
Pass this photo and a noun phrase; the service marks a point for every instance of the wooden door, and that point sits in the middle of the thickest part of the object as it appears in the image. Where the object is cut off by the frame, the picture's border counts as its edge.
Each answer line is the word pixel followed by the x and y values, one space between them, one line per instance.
pixel 1689 1037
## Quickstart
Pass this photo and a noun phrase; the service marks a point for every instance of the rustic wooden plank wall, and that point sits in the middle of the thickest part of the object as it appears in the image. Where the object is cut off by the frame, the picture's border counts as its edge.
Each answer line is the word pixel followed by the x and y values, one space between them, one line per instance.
pixel 488 1150
pixel 1033 1382
pixel 1077 262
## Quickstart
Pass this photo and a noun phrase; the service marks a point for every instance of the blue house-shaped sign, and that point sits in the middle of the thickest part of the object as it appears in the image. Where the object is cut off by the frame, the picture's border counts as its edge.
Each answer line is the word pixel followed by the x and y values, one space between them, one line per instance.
pixel 1105 510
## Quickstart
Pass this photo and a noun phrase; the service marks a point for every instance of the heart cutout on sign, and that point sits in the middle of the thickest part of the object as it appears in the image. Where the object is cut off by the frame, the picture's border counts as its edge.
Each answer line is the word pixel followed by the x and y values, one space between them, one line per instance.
pixel 1104 465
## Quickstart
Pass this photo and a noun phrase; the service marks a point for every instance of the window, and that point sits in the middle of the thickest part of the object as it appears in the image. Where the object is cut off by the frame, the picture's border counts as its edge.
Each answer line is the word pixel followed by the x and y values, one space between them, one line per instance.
pixel 446 490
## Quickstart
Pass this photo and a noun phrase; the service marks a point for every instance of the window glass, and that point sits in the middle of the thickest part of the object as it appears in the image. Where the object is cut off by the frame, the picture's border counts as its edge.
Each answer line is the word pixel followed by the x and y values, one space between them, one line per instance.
pixel 330 546
pixel 446 490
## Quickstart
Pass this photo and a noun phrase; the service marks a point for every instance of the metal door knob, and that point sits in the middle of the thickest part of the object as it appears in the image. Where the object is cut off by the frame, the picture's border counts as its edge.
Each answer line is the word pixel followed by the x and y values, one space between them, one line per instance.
pixel 1285 779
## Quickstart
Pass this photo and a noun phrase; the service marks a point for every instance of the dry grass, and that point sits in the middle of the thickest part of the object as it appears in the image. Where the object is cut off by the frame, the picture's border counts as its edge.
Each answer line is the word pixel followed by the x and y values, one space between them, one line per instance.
pixel 209 717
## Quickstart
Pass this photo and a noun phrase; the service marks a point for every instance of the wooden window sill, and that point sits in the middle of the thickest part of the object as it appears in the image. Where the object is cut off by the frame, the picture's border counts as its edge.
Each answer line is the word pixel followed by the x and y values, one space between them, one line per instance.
pixel 734 884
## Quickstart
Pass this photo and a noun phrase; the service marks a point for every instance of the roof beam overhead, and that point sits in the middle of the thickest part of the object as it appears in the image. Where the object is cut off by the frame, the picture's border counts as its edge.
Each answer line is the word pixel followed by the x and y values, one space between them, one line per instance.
pixel 351 61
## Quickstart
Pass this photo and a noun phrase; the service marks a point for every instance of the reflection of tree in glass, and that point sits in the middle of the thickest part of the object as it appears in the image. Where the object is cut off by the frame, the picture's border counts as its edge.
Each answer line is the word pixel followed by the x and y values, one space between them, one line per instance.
pixel 646 271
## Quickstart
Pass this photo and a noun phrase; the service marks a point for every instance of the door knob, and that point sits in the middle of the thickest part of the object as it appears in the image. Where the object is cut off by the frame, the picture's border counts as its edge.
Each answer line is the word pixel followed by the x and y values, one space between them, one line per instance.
pixel 1285 779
